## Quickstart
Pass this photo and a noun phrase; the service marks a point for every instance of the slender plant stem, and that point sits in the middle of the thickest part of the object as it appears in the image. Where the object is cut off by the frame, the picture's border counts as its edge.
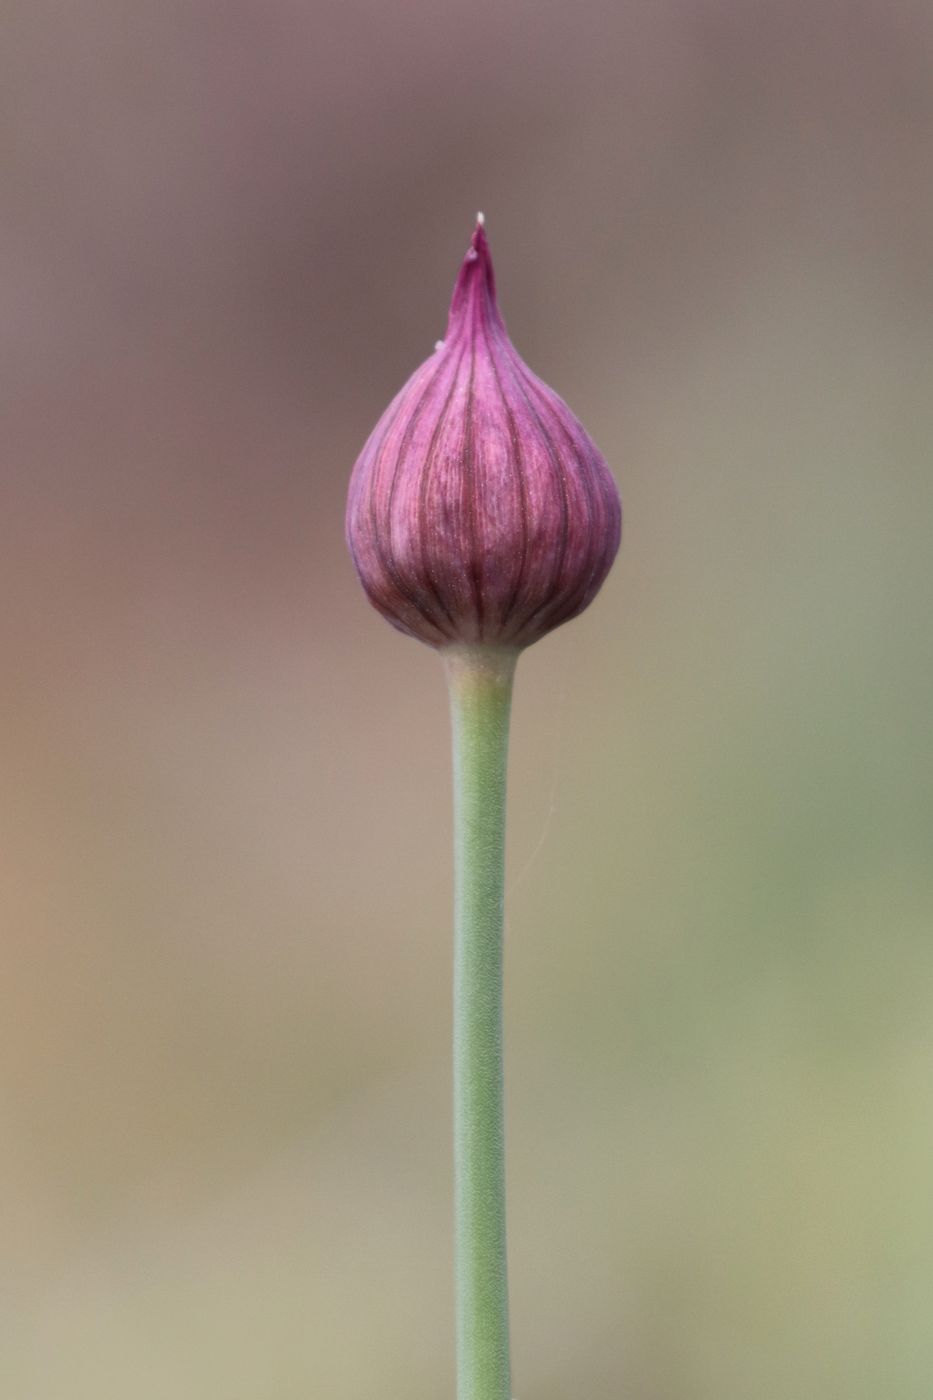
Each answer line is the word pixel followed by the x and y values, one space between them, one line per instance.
pixel 480 683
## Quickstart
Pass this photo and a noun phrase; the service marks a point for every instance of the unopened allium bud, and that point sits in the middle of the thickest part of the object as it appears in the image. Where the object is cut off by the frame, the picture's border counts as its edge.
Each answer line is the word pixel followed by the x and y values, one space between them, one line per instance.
pixel 479 509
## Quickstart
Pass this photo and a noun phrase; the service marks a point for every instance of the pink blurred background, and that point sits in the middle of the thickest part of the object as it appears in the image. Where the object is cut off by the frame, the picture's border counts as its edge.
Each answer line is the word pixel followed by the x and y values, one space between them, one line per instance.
pixel 228 234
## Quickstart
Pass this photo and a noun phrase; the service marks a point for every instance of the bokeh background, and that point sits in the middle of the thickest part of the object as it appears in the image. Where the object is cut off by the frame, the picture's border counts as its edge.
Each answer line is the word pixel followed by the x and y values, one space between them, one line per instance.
pixel 229 232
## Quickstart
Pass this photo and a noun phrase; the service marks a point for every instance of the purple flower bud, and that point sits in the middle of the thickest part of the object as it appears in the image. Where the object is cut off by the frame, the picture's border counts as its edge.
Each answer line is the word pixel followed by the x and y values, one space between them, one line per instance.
pixel 479 510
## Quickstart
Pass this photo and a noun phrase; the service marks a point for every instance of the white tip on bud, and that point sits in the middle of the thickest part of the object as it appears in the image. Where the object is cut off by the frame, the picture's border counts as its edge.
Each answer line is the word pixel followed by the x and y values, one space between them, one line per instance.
pixel 481 219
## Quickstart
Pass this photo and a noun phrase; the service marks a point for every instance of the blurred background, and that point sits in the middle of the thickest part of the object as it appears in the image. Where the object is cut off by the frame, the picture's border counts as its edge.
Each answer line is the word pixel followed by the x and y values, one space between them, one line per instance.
pixel 229 233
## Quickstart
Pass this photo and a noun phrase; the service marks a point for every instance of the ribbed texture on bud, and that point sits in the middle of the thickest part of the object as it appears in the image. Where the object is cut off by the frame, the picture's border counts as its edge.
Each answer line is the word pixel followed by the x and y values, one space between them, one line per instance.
pixel 479 509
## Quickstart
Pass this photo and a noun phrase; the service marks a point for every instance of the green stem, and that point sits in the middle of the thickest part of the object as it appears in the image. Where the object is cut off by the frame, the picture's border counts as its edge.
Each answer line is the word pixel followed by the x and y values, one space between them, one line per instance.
pixel 480 683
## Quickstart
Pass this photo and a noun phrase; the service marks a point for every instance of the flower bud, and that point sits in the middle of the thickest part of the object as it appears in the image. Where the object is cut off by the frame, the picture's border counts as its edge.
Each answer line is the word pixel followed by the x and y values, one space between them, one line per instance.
pixel 479 510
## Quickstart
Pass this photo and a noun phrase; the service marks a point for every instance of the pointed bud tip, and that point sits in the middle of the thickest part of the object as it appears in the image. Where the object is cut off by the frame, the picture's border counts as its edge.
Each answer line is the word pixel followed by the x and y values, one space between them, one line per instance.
pixel 479 244
pixel 476 280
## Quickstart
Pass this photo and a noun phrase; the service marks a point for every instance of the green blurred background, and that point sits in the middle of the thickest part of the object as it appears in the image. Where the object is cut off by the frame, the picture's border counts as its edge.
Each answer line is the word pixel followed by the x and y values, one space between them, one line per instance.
pixel 229 233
